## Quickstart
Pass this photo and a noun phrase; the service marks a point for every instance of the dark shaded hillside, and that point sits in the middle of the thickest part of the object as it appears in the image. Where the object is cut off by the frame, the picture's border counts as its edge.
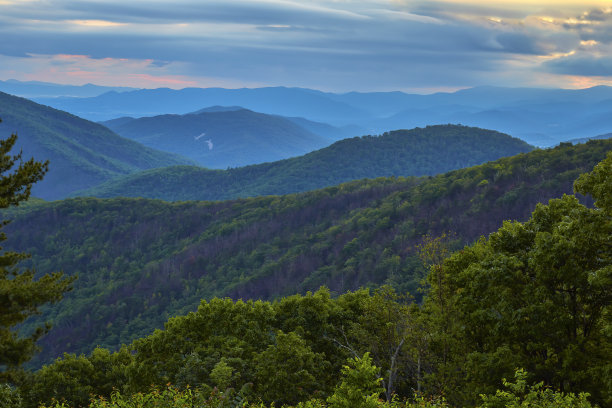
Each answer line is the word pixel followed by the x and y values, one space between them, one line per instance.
pixel 222 138
pixel 417 152
pixel 141 261
pixel 81 153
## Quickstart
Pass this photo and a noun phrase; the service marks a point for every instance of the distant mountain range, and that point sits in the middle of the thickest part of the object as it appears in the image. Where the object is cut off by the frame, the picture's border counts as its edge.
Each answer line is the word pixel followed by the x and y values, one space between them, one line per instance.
pixel 88 158
pixel 417 152
pixel 81 153
pixel 218 138
pixel 543 117
pixel 36 89
pixel 313 105
pixel 586 139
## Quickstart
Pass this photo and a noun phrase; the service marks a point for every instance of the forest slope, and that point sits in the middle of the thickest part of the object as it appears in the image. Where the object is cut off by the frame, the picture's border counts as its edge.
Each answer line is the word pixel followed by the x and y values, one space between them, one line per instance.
pixel 81 153
pixel 417 152
pixel 142 261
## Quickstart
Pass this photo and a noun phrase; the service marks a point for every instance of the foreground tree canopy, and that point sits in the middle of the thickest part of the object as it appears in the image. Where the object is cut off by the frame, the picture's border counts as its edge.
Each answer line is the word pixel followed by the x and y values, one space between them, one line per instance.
pixel 535 295
pixel 21 294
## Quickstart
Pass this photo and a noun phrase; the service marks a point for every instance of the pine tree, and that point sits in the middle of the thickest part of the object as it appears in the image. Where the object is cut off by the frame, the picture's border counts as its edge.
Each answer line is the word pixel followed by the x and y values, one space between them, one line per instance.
pixel 21 294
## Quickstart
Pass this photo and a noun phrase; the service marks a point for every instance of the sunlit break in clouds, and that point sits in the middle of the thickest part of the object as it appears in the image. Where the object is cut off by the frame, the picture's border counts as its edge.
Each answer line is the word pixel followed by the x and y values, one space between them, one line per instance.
pixel 366 45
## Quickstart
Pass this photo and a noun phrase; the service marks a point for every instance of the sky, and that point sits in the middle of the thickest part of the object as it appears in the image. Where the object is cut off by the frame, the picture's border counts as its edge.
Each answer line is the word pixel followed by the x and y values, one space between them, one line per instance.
pixel 420 46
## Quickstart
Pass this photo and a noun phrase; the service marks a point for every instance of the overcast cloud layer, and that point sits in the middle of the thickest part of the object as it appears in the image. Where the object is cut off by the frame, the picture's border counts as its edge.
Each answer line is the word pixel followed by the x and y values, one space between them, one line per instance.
pixel 336 45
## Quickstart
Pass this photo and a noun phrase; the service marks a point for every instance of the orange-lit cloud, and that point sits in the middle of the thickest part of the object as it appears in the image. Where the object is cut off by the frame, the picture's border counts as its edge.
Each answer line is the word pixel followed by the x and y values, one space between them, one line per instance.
pixel 81 69
pixel 95 23
pixel 335 45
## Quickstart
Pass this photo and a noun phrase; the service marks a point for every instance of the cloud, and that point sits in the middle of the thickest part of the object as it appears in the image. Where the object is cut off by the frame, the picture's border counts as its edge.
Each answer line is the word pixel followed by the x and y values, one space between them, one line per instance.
pixel 80 69
pixel 581 65
pixel 325 44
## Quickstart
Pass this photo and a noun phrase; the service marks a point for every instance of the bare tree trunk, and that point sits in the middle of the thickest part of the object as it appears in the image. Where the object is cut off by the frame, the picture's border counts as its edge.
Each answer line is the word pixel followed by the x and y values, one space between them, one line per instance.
pixel 419 373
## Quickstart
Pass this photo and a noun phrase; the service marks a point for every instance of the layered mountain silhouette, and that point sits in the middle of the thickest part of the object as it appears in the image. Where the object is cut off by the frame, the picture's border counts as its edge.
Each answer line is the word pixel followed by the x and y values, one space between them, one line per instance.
pixel 417 152
pixel 81 153
pixel 219 138
pixel 542 117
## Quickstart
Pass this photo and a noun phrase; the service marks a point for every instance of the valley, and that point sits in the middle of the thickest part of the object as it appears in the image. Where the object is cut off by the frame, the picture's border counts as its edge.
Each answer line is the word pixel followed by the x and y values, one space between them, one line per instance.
pixel 151 238
pixel 319 204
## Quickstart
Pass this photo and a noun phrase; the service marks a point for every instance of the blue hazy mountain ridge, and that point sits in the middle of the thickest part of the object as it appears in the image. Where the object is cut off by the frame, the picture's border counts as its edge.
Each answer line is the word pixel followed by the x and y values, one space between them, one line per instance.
pixel 416 152
pixel 221 138
pixel 81 153
pixel 333 133
pixel 150 102
pixel 37 89
pixel 586 139
pixel 542 117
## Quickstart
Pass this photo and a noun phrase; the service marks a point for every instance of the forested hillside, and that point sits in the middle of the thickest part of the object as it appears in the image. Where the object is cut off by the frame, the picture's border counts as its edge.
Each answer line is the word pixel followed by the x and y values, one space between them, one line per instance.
pixel 416 152
pixel 141 261
pixel 222 138
pixel 530 301
pixel 81 153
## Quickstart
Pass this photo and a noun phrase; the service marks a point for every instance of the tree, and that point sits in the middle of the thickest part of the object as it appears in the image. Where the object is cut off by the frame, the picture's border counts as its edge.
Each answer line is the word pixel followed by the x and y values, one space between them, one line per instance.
pixel 385 329
pixel 21 294
pixel 519 395
pixel 537 295
pixel 360 385
pixel 286 372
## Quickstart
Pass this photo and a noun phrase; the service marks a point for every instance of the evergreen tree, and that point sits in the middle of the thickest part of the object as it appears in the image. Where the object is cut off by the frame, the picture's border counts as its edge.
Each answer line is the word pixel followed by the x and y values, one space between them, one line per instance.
pixel 21 294
pixel 360 386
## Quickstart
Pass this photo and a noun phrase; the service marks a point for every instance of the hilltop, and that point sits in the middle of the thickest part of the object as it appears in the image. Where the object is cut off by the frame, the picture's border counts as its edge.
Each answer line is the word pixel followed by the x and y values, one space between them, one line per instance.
pixel 416 152
pixel 81 153
pixel 222 138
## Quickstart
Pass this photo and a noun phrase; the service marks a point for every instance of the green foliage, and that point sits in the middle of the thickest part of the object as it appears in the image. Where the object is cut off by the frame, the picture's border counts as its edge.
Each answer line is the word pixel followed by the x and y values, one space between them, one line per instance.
pixel 167 398
pixel 534 295
pixel 388 329
pixel 360 386
pixel 141 261
pixel 286 372
pixel 9 396
pixel 82 153
pixel 222 374
pixel 519 394
pixel 598 184
pixel 21 295
pixel 416 152
pixel 74 379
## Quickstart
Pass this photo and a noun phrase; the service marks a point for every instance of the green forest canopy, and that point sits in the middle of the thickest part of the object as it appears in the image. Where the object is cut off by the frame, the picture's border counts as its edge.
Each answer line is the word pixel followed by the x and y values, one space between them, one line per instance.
pixel 535 295
pixel 417 152
pixel 140 261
